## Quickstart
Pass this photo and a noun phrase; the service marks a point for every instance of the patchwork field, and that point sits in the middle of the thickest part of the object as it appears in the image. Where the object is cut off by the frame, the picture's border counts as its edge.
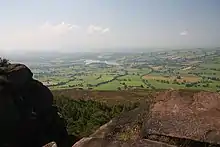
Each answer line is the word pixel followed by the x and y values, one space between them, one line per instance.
pixel 191 69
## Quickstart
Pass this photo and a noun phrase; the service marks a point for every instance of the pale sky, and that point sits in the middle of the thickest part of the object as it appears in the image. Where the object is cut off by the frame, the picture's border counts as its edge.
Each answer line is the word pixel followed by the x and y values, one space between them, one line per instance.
pixel 78 25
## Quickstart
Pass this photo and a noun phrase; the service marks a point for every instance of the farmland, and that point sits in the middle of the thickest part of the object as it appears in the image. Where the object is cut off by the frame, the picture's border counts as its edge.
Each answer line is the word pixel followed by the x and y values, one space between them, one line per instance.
pixel 174 69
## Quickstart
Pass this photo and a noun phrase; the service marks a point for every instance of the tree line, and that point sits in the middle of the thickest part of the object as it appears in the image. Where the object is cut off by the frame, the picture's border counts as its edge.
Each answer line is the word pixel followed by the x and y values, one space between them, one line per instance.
pixel 83 117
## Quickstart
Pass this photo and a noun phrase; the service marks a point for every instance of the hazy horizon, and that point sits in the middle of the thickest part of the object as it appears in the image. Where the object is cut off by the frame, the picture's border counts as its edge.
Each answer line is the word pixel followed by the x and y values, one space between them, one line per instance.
pixel 110 25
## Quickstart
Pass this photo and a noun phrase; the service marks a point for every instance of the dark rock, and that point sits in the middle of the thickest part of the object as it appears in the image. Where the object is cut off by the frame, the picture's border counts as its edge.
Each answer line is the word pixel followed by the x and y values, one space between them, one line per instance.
pixel 18 74
pixel 26 106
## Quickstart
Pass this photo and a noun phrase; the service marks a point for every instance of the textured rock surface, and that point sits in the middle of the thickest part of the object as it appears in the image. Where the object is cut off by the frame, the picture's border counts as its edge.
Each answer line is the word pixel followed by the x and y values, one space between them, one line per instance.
pixel 100 142
pixel 123 131
pixel 186 115
pixel 51 144
pixel 183 118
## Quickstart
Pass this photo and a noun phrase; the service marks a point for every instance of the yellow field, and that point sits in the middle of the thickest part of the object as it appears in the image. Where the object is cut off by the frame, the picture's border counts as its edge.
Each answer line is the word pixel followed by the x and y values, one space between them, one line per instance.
pixel 183 78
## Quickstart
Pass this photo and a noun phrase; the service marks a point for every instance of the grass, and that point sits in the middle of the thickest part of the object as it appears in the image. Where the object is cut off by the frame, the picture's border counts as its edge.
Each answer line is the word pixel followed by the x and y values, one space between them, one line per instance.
pixel 156 74
pixel 189 78
pixel 131 77
pixel 134 83
pixel 131 80
pixel 210 88
pixel 54 79
pixel 91 75
pixel 144 71
pixel 103 78
pixel 206 72
pixel 109 86
pixel 184 71
pixel 160 85
pixel 138 71
pixel 106 77
pixel 75 82
pixel 209 65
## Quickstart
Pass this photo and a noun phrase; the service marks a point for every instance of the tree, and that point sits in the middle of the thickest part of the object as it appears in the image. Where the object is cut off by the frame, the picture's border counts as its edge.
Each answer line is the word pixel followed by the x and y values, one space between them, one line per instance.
pixel 84 116
pixel 89 85
pixel 4 62
pixel 188 85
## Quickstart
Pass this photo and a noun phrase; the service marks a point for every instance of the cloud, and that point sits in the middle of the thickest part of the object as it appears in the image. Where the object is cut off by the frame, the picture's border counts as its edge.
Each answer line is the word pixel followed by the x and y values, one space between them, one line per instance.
pixel 58 28
pixel 184 33
pixel 97 29
pixel 53 36
pixel 44 36
pixel 105 30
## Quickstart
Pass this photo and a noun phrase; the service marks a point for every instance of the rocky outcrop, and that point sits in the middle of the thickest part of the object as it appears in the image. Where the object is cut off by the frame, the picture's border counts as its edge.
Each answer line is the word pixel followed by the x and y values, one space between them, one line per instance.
pixel 174 118
pixel 18 74
pixel 122 131
pixel 171 118
pixel 100 142
pixel 185 115
pixel 28 116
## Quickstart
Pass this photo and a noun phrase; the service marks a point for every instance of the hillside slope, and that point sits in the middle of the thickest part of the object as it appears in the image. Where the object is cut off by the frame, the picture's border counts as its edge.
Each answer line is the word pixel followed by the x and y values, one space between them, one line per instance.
pixel 171 118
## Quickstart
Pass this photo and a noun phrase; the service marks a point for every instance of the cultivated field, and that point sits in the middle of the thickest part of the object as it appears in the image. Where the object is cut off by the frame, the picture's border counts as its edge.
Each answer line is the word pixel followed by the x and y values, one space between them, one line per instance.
pixel 191 69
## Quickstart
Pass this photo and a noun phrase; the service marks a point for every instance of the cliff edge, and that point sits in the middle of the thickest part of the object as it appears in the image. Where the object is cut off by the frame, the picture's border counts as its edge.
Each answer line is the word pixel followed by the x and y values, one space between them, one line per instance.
pixel 173 118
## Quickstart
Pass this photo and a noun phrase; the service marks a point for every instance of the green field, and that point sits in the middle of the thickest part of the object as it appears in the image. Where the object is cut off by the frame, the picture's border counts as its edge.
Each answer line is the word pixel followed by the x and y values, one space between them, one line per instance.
pixel 191 69
pixel 110 86
pixel 209 65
